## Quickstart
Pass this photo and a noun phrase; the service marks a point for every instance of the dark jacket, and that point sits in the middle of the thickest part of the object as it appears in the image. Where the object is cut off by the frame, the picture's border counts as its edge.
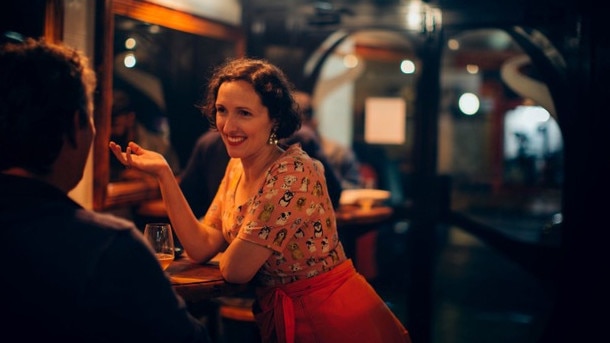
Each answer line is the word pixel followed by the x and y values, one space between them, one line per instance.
pixel 76 275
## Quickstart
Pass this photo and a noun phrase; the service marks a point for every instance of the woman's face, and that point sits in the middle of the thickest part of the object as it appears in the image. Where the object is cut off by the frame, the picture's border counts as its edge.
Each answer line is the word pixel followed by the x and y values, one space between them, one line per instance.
pixel 242 120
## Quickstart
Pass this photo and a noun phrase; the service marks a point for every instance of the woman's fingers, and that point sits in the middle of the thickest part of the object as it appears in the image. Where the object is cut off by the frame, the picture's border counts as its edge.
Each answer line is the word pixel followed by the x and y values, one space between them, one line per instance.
pixel 118 153
pixel 128 154
pixel 135 148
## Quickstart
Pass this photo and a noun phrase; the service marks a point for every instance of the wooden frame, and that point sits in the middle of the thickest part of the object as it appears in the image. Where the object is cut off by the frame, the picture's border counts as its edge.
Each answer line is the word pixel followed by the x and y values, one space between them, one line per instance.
pixel 108 195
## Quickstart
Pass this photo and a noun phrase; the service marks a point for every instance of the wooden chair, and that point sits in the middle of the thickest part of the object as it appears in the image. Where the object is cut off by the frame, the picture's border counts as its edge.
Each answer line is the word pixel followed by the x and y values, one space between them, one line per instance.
pixel 236 320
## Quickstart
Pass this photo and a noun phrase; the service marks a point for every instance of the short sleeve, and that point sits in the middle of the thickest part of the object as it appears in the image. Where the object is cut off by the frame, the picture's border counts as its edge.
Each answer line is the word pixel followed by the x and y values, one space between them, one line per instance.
pixel 292 192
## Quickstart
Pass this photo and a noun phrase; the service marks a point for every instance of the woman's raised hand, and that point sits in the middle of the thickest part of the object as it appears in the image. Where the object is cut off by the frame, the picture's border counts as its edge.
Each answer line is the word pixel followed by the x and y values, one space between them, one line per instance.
pixel 138 158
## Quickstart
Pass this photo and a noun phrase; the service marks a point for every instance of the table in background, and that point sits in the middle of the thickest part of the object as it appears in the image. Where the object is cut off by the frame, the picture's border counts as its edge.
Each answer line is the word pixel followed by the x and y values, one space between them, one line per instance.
pixel 354 221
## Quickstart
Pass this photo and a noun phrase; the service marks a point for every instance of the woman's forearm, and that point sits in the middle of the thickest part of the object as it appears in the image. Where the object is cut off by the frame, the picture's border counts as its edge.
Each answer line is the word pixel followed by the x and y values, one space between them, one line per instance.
pixel 201 244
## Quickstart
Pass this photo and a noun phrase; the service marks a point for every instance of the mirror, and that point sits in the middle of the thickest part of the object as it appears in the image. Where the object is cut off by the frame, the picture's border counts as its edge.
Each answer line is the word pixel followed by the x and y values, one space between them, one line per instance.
pixel 173 52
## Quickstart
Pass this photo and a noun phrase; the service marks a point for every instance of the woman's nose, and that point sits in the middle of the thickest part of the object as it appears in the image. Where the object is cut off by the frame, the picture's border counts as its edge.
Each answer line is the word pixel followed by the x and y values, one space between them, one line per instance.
pixel 225 123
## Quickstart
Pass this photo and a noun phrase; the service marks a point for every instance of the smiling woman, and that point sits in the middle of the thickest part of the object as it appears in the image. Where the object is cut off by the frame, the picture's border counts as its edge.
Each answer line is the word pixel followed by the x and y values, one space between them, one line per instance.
pixel 162 57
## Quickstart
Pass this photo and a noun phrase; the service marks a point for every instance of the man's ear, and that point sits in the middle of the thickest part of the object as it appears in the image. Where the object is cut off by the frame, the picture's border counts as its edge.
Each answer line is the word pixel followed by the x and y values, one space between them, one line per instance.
pixel 73 136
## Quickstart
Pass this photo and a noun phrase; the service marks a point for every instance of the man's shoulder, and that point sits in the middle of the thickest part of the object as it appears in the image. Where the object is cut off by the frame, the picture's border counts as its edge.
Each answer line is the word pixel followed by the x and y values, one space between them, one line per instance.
pixel 93 228
pixel 305 133
pixel 210 143
pixel 103 220
pixel 209 137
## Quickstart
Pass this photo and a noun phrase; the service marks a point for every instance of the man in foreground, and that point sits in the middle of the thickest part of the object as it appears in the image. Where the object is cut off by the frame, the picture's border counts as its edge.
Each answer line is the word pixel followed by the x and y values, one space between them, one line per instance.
pixel 69 273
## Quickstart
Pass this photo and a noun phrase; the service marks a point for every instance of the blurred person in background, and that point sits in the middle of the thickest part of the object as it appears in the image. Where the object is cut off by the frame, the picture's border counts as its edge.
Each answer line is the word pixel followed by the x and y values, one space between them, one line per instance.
pixel 342 159
pixel 204 171
pixel 127 127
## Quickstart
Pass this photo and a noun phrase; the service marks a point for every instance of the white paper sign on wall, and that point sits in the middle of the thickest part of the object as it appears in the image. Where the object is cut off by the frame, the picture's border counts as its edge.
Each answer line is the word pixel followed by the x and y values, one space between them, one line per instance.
pixel 384 120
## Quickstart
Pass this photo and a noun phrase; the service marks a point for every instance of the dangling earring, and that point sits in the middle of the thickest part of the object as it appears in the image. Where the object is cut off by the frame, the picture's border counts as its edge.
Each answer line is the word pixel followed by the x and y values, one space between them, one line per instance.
pixel 273 138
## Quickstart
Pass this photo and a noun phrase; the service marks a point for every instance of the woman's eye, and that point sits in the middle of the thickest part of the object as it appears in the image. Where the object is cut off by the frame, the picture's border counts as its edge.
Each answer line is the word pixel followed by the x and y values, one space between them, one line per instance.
pixel 244 113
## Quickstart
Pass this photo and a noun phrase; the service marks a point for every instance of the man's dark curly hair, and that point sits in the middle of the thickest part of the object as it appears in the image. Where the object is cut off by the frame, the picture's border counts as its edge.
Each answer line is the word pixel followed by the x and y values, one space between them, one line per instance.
pixel 269 82
pixel 42 86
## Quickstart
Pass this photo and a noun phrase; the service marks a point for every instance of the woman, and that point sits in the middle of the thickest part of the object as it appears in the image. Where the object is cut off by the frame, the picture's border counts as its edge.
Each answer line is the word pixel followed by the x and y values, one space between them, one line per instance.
pixel 272 217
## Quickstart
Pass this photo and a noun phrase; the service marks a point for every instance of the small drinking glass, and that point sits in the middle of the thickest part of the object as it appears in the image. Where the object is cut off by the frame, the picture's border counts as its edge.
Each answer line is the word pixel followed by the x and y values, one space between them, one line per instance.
pixel 161 238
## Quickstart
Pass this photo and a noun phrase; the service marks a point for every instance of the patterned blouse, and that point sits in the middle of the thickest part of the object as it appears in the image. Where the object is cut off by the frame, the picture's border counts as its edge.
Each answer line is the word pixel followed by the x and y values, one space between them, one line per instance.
pixel 291 214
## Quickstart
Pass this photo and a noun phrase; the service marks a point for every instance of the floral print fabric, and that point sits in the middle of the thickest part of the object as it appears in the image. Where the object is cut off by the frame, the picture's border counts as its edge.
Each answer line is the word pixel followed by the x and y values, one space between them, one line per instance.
pixel 291 214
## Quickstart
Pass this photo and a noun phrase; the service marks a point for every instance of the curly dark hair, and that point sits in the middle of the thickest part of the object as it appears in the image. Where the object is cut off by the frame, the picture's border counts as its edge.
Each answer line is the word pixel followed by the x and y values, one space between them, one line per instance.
pixel 269 82
pixel 42 86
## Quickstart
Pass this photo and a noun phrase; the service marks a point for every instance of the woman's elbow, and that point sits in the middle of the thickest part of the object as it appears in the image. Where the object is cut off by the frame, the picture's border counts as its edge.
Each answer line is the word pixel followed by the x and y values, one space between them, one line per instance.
pixel 198 257
pixel 235 275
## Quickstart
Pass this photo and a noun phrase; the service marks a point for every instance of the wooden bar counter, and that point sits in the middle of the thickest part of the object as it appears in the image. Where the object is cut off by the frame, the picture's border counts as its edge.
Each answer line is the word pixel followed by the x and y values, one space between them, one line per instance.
pixel 352 222
pixel 197 282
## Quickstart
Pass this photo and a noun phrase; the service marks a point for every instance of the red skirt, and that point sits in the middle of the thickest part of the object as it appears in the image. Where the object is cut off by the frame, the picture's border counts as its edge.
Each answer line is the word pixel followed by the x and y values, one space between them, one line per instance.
pixel 337 306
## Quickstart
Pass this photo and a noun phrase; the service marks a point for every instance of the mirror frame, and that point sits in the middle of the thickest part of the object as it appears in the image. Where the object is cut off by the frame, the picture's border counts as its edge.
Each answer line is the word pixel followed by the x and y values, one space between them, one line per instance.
pixel 108 195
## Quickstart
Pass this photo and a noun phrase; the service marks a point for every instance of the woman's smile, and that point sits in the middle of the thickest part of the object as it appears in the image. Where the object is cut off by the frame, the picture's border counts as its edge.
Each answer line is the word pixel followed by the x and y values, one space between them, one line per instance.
pixel 235 140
